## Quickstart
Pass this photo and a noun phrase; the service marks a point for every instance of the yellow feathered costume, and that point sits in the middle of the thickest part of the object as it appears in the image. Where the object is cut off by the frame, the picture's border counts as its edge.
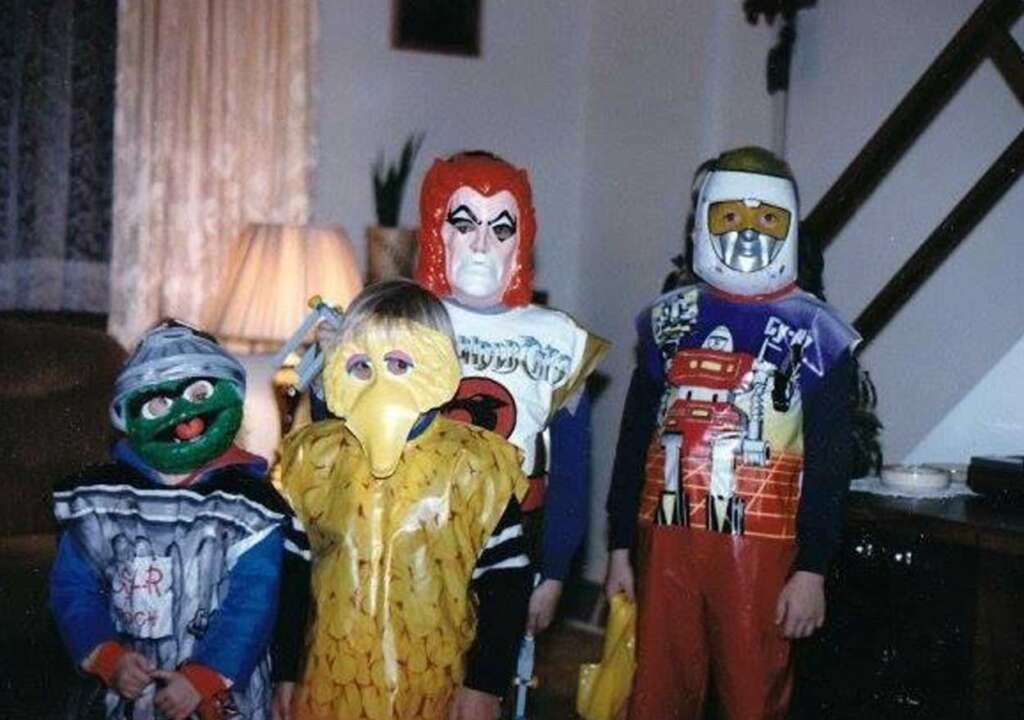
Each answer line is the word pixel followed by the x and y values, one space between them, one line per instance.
pixel 392 563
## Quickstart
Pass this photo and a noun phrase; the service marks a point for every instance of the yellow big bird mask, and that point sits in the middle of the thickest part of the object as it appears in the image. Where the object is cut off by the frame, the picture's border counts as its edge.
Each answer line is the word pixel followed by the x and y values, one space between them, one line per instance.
pixel 382 377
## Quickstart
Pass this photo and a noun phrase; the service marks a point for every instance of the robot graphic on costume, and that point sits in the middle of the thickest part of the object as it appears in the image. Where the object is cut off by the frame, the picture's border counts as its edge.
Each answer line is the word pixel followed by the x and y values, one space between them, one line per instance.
pixel 716 401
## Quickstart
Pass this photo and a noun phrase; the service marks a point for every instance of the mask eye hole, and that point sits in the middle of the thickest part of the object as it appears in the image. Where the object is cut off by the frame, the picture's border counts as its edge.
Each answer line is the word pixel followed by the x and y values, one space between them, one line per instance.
pixel 464 227
pixel 199 391
pixel 769 219
pixel 398 362
pixel 504 231
pixel 155 407
pixel 359 367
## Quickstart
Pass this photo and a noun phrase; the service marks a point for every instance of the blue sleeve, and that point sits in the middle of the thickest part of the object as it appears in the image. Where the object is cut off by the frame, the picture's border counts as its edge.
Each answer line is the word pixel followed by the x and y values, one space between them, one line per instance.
pixel 566 501
pixel 828 463
pixel 637 427
pixel 80 601
pixel 239 632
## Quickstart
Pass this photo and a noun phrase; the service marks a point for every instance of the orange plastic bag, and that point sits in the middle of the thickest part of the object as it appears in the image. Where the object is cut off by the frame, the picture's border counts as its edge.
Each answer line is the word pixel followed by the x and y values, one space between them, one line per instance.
pixel 604 687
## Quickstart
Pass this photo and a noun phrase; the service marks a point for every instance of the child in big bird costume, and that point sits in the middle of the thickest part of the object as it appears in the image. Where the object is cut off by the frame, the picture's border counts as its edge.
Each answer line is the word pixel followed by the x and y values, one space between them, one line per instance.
pixel 420 577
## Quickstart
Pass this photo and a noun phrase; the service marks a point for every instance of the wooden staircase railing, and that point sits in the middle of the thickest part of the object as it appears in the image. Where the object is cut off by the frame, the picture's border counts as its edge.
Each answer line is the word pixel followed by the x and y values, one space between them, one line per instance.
pixel 986 34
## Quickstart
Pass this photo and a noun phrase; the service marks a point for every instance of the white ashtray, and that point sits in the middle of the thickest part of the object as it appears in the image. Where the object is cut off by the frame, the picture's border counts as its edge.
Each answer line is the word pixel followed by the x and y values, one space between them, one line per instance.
pixel 957 472
pixel 914 477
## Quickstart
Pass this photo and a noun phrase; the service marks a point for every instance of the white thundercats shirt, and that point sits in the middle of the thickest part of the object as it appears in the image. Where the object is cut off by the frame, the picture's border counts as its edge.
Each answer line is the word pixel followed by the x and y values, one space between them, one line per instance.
pixel 519 367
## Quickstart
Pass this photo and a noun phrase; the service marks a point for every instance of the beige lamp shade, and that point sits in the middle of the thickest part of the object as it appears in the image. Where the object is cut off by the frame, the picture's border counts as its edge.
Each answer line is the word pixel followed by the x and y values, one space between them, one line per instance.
pixel 270 274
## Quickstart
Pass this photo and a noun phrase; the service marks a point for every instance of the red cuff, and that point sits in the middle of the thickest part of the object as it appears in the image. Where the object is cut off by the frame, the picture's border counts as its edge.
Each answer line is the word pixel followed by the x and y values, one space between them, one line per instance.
pixel 104 661
pixel 211 686
pixel 207 682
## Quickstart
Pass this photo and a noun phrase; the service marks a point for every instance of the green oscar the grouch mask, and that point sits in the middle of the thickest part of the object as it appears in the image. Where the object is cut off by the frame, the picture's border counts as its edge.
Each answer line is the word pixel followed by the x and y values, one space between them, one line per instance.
pixel 180 426
pixel 179 399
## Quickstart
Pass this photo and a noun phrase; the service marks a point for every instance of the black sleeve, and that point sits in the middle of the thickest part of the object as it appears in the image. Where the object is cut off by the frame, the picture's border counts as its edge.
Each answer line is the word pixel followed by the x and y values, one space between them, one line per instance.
pixel 639 417
pixel 828 462
pixel 289 639
pixel 501 582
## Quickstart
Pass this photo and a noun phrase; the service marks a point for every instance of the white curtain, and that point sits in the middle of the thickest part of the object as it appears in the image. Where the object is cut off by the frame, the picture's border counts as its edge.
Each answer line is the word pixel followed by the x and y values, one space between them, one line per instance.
pixel 213 129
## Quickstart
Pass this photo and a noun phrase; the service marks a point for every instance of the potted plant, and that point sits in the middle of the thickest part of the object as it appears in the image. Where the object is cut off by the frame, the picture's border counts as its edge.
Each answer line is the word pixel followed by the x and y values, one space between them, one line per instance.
pixel 391 250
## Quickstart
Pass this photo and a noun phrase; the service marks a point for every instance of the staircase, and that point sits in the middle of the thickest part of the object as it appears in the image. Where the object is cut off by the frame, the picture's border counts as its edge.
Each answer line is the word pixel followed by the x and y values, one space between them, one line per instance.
pixel 985 35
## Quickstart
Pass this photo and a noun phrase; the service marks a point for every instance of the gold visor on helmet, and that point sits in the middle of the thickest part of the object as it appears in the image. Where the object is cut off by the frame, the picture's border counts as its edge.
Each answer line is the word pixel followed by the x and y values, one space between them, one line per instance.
pixel 737 216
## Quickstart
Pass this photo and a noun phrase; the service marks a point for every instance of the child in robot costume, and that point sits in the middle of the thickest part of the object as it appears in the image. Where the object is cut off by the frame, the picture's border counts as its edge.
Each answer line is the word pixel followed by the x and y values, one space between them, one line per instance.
pixel 524 367
pixel 420 577
pixel 733 458
pixel 174 559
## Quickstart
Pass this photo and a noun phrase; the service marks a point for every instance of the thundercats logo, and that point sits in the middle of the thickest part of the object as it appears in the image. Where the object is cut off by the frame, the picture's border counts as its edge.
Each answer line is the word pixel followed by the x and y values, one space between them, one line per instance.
pixel 543 363
pixel 482 402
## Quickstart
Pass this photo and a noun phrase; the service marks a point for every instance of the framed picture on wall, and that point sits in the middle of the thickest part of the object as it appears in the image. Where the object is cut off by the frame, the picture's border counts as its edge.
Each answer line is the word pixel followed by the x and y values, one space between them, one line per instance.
pixel 442 26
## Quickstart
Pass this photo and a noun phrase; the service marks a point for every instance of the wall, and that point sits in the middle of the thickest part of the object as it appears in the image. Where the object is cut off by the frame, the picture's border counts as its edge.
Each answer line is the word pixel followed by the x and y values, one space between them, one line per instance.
pixel 523 98
pixel 989 420
pixel 669 85
pixel 855 60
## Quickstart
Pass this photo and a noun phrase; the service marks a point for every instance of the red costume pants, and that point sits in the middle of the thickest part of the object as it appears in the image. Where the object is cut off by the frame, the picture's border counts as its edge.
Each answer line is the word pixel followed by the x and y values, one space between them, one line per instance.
pixel 707 604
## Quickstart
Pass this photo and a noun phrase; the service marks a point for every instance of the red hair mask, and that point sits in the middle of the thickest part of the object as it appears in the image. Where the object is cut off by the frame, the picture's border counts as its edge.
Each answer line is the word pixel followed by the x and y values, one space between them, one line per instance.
pixel 479 225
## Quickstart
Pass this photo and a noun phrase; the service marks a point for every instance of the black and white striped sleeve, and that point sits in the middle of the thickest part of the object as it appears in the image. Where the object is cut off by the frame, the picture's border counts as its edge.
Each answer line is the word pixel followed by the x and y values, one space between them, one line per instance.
pixel 501 582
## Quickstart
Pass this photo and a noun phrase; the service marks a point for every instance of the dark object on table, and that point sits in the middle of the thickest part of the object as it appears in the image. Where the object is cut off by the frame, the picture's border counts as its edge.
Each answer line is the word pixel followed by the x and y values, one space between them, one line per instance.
pixel 999 476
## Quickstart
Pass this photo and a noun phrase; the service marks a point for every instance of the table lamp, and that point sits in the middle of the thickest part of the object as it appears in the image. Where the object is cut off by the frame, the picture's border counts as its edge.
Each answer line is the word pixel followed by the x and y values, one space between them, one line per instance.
pixel 270 274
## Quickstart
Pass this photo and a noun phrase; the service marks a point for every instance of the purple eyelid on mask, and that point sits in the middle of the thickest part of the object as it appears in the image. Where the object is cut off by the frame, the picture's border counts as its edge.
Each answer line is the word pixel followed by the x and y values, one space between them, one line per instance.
pixel 399 356
pixel 355 360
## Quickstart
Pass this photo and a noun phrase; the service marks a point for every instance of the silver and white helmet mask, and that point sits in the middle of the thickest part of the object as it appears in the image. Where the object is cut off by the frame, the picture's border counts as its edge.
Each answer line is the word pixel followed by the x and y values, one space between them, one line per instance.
pixel 755 264
pixel 173 351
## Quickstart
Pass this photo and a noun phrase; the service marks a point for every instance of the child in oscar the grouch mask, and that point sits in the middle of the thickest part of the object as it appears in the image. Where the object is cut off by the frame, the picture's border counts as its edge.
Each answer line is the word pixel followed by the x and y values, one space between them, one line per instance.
pixel 420 577
pixel 173 558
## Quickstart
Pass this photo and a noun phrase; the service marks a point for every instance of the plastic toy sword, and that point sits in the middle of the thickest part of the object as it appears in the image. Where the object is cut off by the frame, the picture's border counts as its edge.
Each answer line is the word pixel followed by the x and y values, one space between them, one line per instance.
pixel 524 679
pixel 312 361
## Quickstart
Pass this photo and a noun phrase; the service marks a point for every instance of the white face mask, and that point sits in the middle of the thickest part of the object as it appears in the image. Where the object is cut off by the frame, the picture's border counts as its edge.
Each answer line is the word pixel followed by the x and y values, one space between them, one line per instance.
pixel 758 255
pixel 481 234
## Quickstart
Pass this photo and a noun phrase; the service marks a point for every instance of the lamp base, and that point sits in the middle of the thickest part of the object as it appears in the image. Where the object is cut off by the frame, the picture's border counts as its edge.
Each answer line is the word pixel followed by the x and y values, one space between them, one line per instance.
pixel 261 420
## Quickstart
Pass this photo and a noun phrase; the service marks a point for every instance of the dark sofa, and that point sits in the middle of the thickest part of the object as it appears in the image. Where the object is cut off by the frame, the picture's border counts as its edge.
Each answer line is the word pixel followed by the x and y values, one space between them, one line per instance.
pixel 55 385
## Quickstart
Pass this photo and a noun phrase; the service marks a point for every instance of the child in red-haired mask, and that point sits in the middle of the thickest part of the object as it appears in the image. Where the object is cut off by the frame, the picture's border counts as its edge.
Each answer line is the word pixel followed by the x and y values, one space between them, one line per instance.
pixel 524 366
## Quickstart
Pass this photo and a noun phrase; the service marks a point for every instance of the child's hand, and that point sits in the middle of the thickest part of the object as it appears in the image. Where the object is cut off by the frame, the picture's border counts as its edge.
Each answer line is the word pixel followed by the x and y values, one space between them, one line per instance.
pixel 281 707
pixel 177 699
pixel 801 606
pixel 132 673
pixel 470 704
pixel 620 575
pixel 543 603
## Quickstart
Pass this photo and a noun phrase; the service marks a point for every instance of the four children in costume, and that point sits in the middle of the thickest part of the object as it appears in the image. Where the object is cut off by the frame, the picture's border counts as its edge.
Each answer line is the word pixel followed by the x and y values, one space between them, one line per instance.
pixel 182 579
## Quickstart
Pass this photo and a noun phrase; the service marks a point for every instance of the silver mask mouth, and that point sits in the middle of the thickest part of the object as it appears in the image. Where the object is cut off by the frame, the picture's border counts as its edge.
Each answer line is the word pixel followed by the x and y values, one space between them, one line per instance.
pixel 747 251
